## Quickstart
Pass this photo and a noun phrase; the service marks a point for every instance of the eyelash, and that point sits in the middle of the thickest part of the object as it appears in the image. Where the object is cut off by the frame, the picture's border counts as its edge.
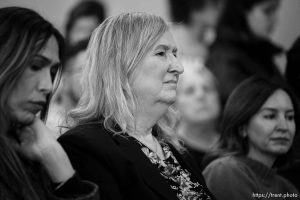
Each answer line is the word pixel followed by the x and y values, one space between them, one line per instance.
pixel 162 53
pixel 272 116
pixel 35 67
pixel 175 54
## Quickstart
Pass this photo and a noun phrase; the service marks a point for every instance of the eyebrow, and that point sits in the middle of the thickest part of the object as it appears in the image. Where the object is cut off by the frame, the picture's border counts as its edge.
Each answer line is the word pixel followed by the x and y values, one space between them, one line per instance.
pixel 46 60
pixel 165 47
pixel 274 109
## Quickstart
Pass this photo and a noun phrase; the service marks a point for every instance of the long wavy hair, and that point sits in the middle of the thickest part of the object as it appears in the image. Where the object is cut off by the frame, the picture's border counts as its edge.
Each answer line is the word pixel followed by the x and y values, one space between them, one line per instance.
pixel 244 102
pixel 86 8
pixel 116 48
pixel 23 34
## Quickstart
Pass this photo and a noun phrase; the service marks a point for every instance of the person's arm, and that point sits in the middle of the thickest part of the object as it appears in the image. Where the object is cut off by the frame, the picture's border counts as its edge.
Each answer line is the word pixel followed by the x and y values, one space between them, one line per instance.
pixel 76 189
pixel 37 142
pixel 228 181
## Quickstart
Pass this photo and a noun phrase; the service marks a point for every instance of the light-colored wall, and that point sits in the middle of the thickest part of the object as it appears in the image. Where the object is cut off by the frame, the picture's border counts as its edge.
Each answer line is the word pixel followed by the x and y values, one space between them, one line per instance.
pixel 55 11
pixel 289 23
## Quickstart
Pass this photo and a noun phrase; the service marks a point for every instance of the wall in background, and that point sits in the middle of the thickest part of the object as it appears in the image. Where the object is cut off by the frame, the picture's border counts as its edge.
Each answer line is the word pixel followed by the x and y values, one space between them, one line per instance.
pixel 56 10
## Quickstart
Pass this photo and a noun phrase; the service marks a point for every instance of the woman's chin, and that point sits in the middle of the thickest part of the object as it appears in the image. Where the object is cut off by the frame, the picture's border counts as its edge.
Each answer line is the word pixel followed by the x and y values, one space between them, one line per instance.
pixel 24 118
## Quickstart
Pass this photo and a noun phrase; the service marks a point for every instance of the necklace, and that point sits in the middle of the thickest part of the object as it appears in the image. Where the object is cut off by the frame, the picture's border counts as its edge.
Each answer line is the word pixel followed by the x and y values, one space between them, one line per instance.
pixel 150 144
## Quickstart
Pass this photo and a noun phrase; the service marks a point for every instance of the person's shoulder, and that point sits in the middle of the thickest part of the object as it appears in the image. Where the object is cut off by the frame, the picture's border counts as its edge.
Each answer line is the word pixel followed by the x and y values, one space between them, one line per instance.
pixel 286 185
pixel 224 160
pixel 87 134
pixel 225 163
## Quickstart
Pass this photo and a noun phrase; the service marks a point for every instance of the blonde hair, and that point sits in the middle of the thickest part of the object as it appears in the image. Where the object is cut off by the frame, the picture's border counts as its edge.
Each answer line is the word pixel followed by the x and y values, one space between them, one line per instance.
pixel 115 49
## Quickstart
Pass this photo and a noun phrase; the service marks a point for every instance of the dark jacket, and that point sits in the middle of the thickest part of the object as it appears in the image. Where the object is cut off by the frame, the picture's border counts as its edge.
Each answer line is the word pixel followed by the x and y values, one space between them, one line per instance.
pixel 293 67
pixel 235 57
pixel 73 189
pixel 118 166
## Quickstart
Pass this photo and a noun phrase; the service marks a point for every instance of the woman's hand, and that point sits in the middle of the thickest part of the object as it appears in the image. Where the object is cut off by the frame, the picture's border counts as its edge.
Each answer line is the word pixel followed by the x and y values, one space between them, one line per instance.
pixel 37 142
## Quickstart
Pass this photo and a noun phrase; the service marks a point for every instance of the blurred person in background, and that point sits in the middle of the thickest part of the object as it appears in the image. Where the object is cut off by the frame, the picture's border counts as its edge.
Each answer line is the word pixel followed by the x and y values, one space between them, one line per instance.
pixel 69 89
pixel 33 165
pixel 243 46
pixel 260 121
pixel 199 109
pixel 194 23
pixel 293 78
pixel 82 19
pixel 293 67
pixel 119 134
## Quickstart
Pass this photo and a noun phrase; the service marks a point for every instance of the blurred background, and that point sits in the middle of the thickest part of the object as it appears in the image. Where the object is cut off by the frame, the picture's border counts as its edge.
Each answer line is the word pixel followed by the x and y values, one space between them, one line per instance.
pixel 56 11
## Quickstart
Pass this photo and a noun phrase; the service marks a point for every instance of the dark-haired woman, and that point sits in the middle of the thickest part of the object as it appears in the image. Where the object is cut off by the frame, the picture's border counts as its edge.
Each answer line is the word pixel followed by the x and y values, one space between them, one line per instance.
pixel 33 166
pixel 243 47
pixel 257 133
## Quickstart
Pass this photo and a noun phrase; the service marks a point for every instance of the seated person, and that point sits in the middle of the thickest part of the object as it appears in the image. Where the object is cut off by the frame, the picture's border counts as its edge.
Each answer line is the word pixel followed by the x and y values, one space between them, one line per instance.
pixel 30 157
pixel 259 123
pixel 120 138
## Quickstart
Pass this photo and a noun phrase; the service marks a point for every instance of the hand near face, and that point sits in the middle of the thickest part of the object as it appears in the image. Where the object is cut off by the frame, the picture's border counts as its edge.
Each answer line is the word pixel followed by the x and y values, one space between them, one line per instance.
pixel 35 139
pixel 37 142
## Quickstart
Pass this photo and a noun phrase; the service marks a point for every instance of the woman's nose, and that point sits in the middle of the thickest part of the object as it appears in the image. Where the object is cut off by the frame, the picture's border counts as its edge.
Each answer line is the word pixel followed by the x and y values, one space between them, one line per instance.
pixel 45 82
pixel 282 124
pixel 176 66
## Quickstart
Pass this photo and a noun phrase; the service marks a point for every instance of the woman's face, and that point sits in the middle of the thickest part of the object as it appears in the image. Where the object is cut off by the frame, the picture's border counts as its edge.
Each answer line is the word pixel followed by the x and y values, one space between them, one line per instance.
pixel 271 130
pixel 83 28
pixel 198 99
pixel 204 24
pixel 28 96
pixel 156 76
pixel 262 18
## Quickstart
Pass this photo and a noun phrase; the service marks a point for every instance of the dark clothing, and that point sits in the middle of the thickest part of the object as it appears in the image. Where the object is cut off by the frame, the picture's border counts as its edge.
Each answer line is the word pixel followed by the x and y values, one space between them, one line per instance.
pixel 292 174
pixel 293 67
pixel 198 156
pixel 239 177
pixel 234 58
pixel 73 189
pixel 179 178
pixel 293 78
pixel 119 166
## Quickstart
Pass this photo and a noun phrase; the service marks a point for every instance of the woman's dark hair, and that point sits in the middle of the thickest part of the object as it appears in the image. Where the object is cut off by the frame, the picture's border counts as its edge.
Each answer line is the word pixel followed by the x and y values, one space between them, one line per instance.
pixel 181 10
pixel 234 16
pixel 243 103
pixel 83 9
pixel 23 33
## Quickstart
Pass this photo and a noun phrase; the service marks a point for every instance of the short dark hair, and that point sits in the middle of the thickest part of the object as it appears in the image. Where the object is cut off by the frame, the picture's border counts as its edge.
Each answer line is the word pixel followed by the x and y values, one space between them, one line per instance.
pixel 243 103
pixel 82 9
pixel 234 16
pixel 180 10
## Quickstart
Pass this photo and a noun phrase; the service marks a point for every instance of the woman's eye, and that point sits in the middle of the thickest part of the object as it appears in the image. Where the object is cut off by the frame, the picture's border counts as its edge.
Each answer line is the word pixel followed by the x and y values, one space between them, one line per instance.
pixel 54 70
pixel 290 117
pixel 271 116
pixel 161 53
pixel 35 67
pixel 189 91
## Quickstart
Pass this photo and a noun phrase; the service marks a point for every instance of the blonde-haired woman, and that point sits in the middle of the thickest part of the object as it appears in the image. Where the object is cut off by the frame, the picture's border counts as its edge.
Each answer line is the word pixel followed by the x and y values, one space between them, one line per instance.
pixel 120 137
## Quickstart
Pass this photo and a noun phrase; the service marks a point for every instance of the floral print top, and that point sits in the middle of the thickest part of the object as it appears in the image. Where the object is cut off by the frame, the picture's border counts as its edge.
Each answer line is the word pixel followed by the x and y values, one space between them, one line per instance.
pixel 179 179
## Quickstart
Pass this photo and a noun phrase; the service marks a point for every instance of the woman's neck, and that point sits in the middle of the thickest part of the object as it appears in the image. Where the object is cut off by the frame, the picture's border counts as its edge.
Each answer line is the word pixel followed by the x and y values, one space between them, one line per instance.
pixel 147 116
pixel 143 133
pixel 257 155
